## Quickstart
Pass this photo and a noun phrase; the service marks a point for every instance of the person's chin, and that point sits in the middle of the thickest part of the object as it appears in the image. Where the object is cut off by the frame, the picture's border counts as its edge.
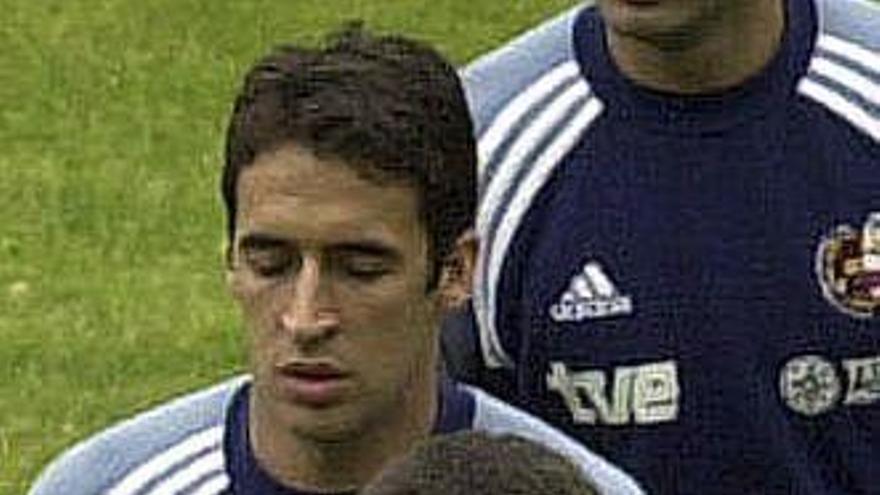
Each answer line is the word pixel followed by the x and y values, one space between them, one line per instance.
pixel 336 424
pixel 617 11
pixel 641 18
pixel 325 410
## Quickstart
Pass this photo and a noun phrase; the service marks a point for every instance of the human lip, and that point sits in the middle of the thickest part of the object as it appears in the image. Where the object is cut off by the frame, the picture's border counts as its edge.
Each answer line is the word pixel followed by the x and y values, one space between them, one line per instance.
pixel 313 383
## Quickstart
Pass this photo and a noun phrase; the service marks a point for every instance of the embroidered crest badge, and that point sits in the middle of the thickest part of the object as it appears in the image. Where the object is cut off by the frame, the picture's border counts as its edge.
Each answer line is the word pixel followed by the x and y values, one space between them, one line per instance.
pixel 810 385
pixel 848 268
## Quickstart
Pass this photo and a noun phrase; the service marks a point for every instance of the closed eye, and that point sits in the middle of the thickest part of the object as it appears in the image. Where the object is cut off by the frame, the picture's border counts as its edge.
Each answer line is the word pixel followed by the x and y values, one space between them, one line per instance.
pixel 365 261
pixel 365 267
pixel 267 257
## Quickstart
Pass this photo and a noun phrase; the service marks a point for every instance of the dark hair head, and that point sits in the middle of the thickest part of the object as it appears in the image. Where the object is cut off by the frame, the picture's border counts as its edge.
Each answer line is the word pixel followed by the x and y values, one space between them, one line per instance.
pixel 391 108
pixel 474 463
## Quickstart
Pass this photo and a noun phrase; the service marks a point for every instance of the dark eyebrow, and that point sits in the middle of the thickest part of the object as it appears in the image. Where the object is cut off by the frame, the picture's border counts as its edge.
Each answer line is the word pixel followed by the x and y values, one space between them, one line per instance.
pixel 259 240
pixel 370 248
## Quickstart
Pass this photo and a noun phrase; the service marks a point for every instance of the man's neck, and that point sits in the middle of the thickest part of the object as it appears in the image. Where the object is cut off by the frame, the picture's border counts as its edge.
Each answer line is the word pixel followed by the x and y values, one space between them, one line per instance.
pixel 725 53
pixel 347 463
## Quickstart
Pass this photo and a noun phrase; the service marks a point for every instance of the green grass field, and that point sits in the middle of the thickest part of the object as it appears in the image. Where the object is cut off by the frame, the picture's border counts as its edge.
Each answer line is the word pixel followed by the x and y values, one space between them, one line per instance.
pixel 112 112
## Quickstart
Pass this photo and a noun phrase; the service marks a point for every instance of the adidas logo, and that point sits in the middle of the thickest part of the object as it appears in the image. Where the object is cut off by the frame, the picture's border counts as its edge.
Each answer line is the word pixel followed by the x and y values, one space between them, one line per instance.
pixel 590 295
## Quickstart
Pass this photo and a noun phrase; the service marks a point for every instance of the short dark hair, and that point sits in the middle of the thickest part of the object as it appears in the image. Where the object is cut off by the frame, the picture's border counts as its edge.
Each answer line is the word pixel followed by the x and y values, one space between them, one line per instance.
pixel 390 107
pixel 476 463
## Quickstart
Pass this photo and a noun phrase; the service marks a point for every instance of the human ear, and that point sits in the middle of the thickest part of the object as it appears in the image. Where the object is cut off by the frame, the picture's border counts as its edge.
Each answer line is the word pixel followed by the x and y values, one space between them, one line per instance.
pixel 457 273
pixel 233 280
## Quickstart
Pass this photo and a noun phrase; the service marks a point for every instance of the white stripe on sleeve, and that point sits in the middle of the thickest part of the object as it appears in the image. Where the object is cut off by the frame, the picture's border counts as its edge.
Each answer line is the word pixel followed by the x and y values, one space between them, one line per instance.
pixel 540 171
pixel 849 78
pixel 840 105
pixel 851 51
pixel 213 485
pixel 212 461
pixel 163 462
pixel 514 110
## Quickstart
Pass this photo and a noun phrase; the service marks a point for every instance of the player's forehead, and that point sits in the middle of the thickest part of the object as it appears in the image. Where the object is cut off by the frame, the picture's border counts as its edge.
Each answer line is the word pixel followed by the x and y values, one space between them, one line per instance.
pixel 292 193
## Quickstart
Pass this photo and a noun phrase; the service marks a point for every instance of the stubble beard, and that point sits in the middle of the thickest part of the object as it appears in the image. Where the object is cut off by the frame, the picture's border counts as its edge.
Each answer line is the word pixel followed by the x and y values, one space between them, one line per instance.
pixel 666 29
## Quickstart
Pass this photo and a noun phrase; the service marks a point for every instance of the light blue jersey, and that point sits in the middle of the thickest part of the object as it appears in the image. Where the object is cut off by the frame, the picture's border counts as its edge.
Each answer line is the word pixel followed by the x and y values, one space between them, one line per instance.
pixel 198 445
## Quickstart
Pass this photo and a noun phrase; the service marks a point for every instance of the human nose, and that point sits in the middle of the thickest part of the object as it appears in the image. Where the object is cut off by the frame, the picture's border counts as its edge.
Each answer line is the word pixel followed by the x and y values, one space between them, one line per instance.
pixel 309 315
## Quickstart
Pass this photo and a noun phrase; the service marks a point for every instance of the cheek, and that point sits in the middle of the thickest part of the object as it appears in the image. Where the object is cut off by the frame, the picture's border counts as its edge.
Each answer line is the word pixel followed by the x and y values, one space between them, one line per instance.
pixel 389 307
pixel 379 299
pixel 393 335
pixel 258 303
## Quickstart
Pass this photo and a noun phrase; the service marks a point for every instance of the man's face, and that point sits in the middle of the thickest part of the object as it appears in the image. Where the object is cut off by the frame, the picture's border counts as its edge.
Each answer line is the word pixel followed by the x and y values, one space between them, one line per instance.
pixel 330 271
pixel 671 22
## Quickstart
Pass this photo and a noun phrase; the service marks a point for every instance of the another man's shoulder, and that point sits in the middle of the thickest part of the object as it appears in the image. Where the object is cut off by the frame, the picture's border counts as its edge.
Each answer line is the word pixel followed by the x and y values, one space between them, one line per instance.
pixel 530 59
pixel 845 68
pixel 853 21
pixel 146 449
pixel 497 417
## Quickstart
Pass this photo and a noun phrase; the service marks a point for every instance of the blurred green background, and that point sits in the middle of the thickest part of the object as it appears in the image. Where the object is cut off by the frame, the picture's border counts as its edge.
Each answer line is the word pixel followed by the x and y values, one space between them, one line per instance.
pixel 112 112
